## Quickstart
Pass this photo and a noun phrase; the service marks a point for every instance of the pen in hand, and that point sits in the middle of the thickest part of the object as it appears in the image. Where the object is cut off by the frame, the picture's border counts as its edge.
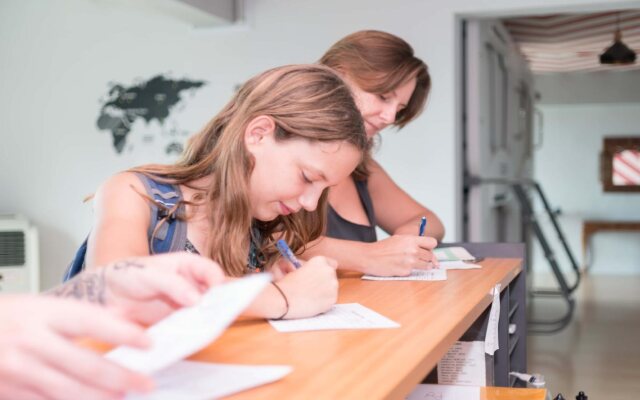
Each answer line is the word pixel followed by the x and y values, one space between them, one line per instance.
pixel 423 225
pixel 287 253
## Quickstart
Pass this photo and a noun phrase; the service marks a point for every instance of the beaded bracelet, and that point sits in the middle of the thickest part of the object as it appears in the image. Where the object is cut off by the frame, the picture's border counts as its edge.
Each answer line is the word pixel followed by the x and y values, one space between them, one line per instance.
pixel 286 301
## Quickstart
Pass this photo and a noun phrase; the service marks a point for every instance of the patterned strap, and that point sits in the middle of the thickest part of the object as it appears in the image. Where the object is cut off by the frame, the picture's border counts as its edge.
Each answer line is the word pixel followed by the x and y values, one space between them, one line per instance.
pixel 172 233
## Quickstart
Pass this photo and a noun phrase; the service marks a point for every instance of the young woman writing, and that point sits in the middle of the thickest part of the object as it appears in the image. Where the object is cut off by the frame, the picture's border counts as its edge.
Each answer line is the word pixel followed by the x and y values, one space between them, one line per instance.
pixel 256 173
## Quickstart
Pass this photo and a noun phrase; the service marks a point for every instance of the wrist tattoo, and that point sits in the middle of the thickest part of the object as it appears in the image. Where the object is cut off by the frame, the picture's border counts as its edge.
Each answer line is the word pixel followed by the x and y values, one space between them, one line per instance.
pixel 88 286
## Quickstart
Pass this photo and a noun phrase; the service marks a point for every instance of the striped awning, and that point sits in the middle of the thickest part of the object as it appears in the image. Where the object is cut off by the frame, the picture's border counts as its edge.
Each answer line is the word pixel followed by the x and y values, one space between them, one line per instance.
pixel 573 42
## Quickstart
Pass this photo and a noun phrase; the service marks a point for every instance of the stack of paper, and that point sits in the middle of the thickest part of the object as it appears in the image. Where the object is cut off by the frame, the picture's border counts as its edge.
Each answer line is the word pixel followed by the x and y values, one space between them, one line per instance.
pixel 453 254
pixel 463 364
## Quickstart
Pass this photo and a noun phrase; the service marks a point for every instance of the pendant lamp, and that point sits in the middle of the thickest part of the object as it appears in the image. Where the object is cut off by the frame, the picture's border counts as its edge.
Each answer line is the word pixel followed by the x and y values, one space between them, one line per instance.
pixel 618 53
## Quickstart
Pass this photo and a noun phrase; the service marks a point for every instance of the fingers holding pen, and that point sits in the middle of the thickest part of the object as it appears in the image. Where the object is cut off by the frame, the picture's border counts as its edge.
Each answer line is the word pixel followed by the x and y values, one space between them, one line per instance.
pixel 418 253
pixel 427 259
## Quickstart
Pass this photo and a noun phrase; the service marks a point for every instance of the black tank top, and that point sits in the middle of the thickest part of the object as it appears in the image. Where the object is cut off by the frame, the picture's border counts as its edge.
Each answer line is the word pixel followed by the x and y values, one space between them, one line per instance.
pixel 340 228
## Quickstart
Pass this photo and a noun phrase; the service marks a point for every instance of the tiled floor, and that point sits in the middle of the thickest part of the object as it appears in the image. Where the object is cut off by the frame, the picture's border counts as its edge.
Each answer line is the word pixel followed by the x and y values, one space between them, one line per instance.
pixel 599 352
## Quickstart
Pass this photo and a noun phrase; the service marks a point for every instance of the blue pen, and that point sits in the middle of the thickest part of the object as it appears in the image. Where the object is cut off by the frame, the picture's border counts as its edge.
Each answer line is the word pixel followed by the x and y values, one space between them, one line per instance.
pixel 423 225
pixel 287 253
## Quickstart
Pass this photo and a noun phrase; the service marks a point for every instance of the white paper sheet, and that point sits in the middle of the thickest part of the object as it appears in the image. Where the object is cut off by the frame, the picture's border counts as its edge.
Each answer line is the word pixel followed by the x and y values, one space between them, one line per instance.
pixel 190 329
pixel 190 380
pixel 444 392
pixel 464 364
pixel 491 343
pixel 341 316
pixel 458 265
pixel 453 254
pixel 435 274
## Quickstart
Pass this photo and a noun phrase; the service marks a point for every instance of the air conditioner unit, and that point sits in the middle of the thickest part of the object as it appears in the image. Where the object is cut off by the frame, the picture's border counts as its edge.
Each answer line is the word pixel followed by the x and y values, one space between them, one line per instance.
pixel 19 256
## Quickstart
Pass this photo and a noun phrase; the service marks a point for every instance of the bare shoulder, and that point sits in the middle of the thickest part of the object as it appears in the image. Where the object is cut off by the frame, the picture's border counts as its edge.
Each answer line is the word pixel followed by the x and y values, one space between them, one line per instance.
pixel 374 167
pixel 121 193
pixel 120 183
pixel 379 179
pixel 121 220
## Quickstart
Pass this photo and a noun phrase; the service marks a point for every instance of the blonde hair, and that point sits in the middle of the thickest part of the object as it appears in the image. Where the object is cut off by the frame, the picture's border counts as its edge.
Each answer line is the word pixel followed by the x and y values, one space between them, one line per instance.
pixel 379 62
pixel 305 101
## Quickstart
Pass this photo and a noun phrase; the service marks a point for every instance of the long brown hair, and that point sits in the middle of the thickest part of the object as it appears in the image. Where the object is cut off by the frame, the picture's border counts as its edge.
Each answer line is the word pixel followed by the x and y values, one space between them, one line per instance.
pixel 379 62
pixel 305 101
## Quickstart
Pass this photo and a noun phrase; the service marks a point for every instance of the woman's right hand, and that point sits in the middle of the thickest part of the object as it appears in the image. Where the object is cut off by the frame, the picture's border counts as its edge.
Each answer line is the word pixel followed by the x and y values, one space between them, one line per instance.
pixel 312 289
pixel 147 289
pixel 41 361
pixel 397 255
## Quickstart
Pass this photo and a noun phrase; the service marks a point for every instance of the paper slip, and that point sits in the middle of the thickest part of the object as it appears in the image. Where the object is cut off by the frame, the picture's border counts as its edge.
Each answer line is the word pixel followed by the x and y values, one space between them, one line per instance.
pixel 444 392
pixel 190 380
pixel 341 316
pixel 190 329
pixel 458 265
pixel 463 364
pixel 453 254
pixel 435 274
pixel 491 343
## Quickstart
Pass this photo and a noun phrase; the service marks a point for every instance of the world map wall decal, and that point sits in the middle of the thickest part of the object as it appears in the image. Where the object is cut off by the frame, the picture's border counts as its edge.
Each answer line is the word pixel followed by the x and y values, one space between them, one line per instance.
pixel 146 101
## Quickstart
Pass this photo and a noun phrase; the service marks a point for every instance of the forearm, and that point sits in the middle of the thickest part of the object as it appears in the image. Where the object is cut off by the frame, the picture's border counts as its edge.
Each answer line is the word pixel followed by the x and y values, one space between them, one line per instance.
pixel 89 287
pixel 269 304
pixel 103 250
pixel 434 228
pixel 351 255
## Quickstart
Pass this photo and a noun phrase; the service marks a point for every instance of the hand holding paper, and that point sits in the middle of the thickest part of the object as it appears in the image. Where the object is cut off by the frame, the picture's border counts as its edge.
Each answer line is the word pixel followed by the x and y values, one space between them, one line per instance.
pixel 190 329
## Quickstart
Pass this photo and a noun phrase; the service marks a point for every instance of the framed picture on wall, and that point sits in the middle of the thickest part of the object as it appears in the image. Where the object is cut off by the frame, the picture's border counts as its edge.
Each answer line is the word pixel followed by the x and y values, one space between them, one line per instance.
pixel 620 164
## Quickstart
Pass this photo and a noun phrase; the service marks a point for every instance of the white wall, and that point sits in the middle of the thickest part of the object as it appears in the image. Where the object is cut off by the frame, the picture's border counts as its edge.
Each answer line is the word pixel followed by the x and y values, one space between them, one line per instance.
pixel 567 164
pixel 56 58
pixel 588 88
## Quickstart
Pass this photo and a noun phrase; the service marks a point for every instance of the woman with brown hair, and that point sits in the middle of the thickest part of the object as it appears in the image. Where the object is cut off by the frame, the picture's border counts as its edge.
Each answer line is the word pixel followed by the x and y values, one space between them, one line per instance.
pixel 390 86
pixel 257 172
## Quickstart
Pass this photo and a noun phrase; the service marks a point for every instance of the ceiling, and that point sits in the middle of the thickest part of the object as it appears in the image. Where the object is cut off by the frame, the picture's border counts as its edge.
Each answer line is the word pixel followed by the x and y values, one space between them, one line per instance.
pixel 198 14
pixel 573 42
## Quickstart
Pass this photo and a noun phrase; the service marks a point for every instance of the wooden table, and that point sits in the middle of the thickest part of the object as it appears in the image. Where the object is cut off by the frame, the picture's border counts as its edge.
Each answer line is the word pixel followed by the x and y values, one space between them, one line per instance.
pixel 367 364
pixel 589 228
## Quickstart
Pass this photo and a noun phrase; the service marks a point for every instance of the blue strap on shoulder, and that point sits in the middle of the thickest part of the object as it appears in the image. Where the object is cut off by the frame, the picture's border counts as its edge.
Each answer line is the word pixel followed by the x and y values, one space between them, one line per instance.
pixel 164 194
pixel 165 240
pixel 77 264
